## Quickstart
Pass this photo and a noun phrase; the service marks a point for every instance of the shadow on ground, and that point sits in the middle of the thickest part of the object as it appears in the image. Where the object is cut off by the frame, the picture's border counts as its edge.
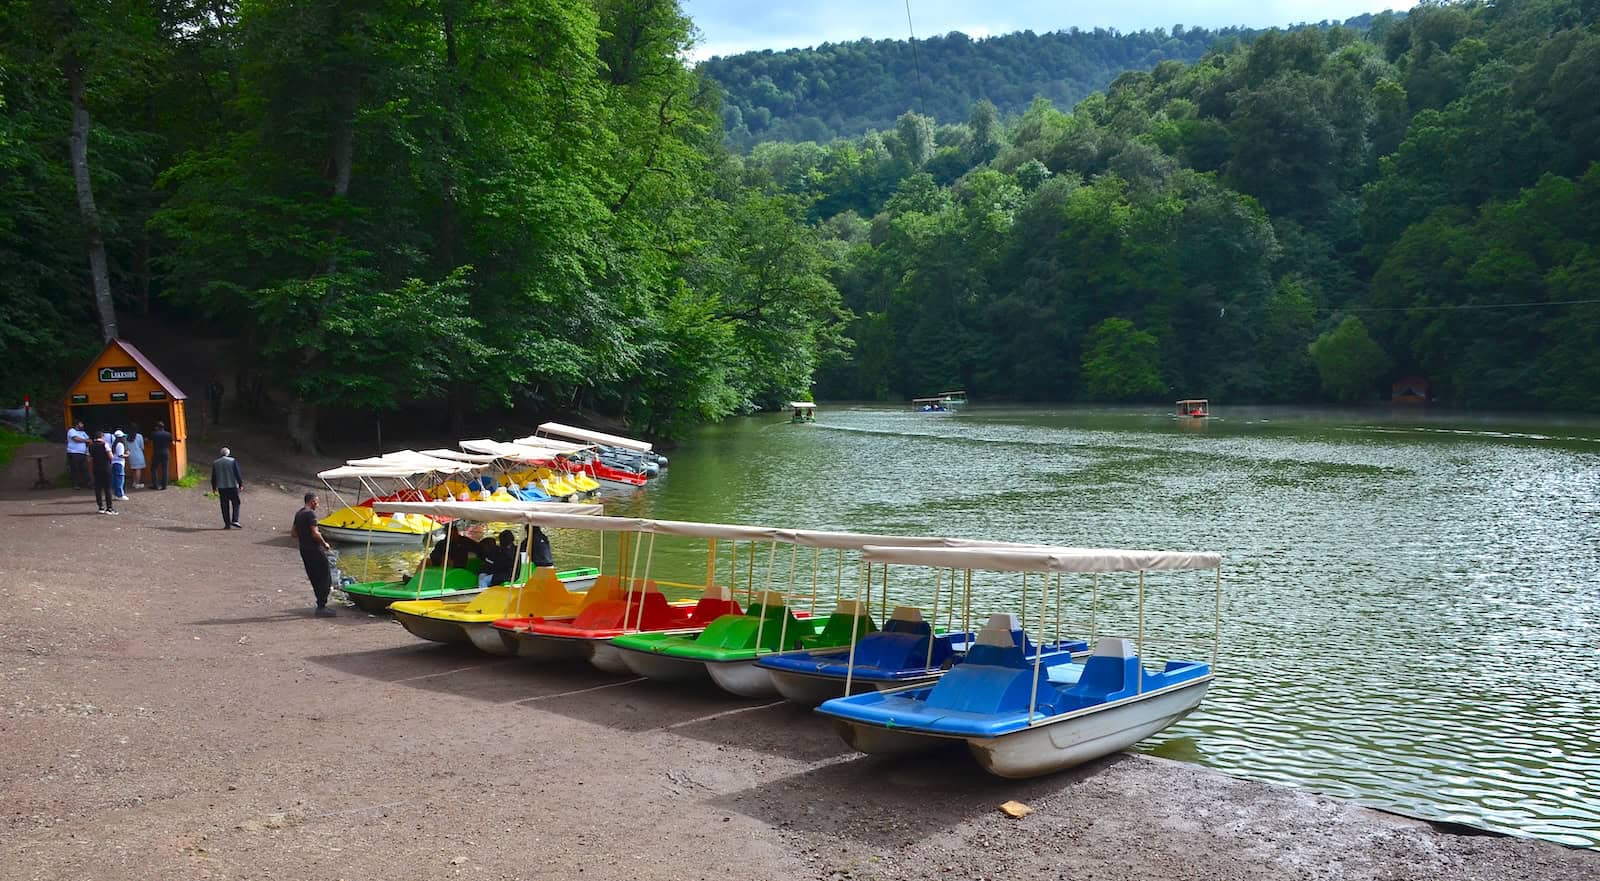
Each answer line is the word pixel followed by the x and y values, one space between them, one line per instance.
pixel 464 671
pixel 894 802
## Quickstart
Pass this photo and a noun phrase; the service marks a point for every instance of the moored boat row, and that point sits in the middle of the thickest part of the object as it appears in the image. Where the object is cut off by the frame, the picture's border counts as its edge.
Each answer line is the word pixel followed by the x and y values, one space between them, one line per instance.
pixel 1027 697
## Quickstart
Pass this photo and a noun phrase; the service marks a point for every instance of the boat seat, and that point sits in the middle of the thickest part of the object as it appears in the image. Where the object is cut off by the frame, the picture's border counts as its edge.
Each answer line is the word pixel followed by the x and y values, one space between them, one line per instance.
pixel 996 676
pixel 769 617
pixel 849 617
pixel 714 603
pixel 1112 672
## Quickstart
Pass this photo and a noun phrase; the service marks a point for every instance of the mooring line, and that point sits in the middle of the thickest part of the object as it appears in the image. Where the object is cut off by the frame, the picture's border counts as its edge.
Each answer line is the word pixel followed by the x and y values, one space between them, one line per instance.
pixel 724 713
pixel 529 700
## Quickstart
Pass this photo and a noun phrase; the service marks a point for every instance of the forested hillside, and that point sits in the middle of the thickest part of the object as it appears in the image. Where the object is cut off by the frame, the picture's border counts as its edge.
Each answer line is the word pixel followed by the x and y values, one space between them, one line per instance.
pixel 848 89
pixel 1305 217
pixel 470 202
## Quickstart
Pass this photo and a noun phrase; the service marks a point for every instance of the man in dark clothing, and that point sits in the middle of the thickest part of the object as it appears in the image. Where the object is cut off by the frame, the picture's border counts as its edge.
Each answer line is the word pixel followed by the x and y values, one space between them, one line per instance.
pixel 100 470
pixel 541 549
pixel 226 481
pixel 160 455
pixel 214 398
pixel 314 554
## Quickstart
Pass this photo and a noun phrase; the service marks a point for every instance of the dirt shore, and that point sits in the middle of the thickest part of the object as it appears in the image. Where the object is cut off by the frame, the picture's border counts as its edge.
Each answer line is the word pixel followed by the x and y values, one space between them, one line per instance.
pixel 170 710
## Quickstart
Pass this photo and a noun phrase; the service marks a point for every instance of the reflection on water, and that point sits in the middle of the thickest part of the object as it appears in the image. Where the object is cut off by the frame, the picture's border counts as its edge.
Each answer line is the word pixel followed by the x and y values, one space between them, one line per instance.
pixel 1409 603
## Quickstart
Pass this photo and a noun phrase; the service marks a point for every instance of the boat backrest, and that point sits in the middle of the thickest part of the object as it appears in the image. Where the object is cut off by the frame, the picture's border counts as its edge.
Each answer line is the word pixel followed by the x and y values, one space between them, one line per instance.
pixel 906 619
pixel 1112 668
pixel 849 617
pixel 1000 643
pixel 616 613
pixel 742 631
pixel 714 603
pixel 996 676
pixel 543 595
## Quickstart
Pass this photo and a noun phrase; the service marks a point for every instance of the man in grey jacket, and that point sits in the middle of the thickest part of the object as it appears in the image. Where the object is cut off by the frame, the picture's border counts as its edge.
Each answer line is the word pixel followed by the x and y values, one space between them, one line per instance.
pixel 226 481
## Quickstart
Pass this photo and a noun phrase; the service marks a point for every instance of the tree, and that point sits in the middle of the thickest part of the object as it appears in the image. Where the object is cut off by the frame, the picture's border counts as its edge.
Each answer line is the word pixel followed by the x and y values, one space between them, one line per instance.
pixel 1349 361
pixel 1122 363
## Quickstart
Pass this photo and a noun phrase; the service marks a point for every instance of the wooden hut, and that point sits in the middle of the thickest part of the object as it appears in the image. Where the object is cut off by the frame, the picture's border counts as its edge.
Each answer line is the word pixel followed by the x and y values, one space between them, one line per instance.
pixel 122 386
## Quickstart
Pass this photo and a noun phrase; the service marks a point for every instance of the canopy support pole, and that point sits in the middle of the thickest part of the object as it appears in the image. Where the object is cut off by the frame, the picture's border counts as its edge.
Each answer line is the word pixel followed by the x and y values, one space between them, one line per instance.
pixel 1038 648
pixel 865 584
pixel 1140 668
pixel 928 662
pixel 772 561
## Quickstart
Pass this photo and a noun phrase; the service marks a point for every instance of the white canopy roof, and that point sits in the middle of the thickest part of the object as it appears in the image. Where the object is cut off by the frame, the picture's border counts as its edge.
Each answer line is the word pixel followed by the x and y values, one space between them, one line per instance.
pixel 458 456
pixel 501 512
pixel 1042 559
pixel 515 452
pixel 802 405
pixel 533 440
pixel 593 437
pixel 365 471
pixel 417 462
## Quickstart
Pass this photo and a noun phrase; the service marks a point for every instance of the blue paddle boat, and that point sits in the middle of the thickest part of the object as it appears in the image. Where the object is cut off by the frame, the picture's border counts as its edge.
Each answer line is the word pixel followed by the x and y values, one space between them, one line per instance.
pixel 906 652
pixel 1020 715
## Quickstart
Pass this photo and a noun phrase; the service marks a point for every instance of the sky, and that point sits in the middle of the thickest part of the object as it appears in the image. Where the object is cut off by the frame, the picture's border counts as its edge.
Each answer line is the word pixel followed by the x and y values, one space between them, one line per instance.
pixel 731 26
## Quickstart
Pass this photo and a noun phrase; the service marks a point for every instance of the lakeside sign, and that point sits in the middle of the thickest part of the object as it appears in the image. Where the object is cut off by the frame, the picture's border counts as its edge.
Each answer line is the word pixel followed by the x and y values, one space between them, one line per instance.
pixel 119 374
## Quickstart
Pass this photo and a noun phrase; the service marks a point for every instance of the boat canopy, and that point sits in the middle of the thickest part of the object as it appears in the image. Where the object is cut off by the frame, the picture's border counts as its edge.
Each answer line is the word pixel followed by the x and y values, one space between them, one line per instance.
pixel 365 471
pixel 1042 559
pixel 958 393
pixel 802 405
pixel 1193 401
pixel 550 443
pixel 458 456
pixel 593 437
pixel 536 513
pixel 933 400
pixel 419 463
pixel 556 514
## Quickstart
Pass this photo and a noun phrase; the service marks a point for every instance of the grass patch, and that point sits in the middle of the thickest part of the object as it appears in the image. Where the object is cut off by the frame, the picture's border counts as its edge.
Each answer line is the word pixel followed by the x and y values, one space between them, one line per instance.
pixel 9 442
pixel 190 478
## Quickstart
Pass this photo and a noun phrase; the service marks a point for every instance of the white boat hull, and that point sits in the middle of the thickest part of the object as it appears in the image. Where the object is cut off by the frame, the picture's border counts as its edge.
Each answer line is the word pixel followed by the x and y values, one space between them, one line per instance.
pixel 742 678
pixel 1087 734
pixel 345 535
pixel 813 690
pixel 432 629
pixel 487 638
pixel 879 741
pixel 543 648
pixel 662 667
pixel 606 657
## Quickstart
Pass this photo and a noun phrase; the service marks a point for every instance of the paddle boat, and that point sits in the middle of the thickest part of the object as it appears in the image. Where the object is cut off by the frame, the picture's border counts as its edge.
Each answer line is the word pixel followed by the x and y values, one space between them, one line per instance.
pixel 359 524
pixel 804 411
pixel 933 404
pixel 1194 408
pixel 448 583
pixel 953 400
pixel 624 453
pixel 1021 716
pixel 541 594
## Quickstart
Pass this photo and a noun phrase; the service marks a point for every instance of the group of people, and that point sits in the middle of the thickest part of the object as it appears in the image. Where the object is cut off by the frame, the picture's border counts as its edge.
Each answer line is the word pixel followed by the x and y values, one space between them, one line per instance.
pixel 497 557
pixel 106 458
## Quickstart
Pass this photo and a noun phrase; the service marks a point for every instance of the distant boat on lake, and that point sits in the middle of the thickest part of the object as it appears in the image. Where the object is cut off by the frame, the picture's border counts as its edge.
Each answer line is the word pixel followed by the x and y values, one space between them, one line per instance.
pixel 1194 408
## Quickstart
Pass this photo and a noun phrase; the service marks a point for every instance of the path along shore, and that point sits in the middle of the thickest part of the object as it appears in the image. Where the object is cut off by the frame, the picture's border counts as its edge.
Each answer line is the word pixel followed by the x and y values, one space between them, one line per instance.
pixel 170 710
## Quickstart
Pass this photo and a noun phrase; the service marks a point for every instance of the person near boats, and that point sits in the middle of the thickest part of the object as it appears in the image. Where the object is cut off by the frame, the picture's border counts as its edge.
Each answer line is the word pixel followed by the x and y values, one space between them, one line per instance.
pixel 314 550
pixel 226 481
pixel 78 455
pixel 541 549
pixel 100 471
pixel 136 463
pixel 119 465
pixel 160 455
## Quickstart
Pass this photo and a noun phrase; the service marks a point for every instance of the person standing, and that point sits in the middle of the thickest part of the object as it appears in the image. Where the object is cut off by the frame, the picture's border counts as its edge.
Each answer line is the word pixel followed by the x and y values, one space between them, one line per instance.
pixel 119 464
pixel 226 481
pixel 100 470
pixel 314 550
pixel 78 455
pixel 136 455
pixel 214 399
pixel 160 455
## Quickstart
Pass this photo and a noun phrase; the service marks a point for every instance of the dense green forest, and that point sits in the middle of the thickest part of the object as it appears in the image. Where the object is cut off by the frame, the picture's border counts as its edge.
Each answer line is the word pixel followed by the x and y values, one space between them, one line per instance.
pixel 848 89
pixel 478 203
pixel 1304 217
pixel 470 201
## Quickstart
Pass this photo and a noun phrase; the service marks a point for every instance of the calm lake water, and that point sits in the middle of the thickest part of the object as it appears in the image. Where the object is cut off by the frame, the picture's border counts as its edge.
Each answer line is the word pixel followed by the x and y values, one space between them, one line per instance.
pixel 1411 601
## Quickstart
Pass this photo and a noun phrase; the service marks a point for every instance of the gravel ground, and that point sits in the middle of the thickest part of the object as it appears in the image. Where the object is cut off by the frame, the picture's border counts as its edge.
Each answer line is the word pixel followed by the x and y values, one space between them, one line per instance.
pixel 170 710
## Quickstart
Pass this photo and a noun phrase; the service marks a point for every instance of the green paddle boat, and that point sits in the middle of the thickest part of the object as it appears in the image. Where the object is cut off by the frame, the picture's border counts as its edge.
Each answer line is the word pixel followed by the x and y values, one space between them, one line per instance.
pixel 728 648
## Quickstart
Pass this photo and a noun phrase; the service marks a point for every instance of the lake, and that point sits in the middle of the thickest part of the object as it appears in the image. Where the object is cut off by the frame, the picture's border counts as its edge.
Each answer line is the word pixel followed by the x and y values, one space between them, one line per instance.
pixel 1410 598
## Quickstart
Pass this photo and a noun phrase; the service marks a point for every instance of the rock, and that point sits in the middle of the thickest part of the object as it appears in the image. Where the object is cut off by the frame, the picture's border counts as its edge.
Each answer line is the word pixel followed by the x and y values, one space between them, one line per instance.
pixel 1016 810
pixel 458 861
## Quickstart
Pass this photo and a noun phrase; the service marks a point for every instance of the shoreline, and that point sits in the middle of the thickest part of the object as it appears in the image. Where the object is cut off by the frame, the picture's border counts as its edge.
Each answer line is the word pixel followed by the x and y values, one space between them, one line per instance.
pixel 172 710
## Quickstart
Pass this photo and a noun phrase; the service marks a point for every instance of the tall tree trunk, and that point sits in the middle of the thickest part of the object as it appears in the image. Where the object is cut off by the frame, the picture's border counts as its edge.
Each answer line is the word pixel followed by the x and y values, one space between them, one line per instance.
pixel 301 422
pixel 78 145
